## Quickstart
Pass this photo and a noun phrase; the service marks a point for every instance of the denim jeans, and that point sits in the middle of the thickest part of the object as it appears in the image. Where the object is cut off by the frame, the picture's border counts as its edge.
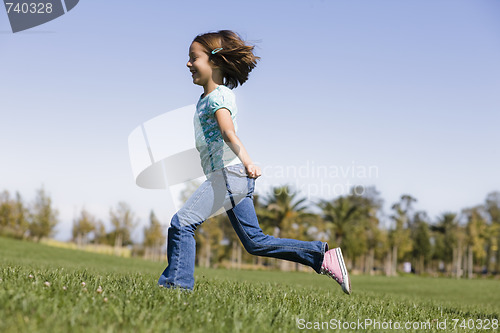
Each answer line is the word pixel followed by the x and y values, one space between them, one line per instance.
pixel 231 190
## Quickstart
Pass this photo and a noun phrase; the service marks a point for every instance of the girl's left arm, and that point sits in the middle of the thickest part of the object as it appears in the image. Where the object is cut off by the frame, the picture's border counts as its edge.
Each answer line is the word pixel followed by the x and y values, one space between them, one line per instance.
pixel 226 127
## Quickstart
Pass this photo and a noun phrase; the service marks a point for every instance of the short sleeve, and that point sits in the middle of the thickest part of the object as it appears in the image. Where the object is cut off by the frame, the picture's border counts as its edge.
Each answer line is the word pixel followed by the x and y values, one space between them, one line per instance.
pixel 225 99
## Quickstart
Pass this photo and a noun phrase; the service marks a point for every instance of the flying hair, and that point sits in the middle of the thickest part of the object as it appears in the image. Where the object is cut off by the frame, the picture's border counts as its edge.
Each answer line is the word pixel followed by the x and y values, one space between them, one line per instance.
pixel 236 59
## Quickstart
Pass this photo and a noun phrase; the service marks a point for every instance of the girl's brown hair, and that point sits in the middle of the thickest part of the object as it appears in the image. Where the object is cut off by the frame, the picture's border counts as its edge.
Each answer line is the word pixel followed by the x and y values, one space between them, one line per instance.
pixel 236 59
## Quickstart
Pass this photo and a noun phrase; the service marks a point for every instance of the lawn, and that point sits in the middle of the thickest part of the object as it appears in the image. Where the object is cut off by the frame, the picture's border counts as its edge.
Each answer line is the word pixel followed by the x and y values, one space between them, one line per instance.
pixel 51 289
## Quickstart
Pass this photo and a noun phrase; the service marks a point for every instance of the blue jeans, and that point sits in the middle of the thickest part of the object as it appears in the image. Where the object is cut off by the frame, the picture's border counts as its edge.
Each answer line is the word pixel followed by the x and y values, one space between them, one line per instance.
pixel 230 190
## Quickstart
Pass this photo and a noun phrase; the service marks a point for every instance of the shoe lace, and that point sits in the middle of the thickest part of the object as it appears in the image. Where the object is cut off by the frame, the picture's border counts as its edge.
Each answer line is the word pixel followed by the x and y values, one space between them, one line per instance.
pixel 327 271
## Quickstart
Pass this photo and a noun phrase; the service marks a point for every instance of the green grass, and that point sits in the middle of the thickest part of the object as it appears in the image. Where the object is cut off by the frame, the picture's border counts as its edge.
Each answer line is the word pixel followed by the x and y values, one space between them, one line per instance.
pixel 222 301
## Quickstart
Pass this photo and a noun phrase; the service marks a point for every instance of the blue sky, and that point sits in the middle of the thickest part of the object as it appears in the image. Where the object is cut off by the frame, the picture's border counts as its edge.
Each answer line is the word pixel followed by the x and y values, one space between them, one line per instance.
pixel 409 88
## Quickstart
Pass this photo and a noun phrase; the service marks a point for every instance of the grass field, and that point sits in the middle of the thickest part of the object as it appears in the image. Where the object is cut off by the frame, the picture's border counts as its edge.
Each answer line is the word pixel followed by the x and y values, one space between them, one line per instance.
pixel 41 290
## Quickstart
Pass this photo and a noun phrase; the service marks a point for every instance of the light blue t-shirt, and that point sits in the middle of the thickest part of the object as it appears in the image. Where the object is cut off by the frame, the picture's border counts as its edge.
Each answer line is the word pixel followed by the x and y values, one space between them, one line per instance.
pixel 215 154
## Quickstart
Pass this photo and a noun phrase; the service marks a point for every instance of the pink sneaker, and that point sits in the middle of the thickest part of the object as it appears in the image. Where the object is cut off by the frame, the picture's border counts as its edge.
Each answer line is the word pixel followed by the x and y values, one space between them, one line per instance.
pixel 334 266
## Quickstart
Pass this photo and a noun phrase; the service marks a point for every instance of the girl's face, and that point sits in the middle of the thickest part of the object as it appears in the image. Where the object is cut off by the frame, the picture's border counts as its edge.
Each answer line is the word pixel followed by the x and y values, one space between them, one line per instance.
pixel 198 64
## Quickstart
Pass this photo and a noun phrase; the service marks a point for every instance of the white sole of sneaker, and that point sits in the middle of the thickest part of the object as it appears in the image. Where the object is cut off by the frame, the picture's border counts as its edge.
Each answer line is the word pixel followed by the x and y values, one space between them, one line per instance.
pixel 346 285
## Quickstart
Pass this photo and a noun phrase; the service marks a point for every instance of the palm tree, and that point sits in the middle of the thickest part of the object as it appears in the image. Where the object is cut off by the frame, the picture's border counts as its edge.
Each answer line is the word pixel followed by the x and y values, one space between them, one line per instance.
pixel 338 214
pixel 421 240
pixel 370 204
pixel 476 236
pixel 343 221
pixel 284 210
pixel 283 214
pixel 400 235
pixel 493 209
pixel 446 238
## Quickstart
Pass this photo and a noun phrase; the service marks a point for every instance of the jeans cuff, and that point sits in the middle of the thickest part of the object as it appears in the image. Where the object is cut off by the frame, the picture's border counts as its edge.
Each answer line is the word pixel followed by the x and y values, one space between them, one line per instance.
pixel 324 248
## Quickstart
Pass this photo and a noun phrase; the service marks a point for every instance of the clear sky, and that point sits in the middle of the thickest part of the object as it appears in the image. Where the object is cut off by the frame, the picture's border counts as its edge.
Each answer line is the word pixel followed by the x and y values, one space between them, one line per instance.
pixel 406 91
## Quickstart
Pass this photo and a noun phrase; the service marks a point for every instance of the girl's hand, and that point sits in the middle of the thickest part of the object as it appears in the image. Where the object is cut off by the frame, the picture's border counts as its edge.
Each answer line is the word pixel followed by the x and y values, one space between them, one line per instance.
pixel 253 171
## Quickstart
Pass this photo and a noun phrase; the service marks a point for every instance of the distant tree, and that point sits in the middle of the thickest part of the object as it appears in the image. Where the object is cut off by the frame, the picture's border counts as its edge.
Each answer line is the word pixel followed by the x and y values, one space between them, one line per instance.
pixel 154 237
pixel 346 220
pixel 100 234
pixel 82 227
pixel 476 229
pixel 43 218
pixel 445 238
pixel 209 236
pixel 339 215
pixel 492 207
pixel 284 208
pixel 400 234
pixel 13 216
pixel 369 205
pixel 285 212
pixel 420 235
pixel 123 222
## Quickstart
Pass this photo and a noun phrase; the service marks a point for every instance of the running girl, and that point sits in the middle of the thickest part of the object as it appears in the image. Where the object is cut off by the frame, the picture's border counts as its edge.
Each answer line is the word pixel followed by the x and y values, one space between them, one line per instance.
pixel 219 61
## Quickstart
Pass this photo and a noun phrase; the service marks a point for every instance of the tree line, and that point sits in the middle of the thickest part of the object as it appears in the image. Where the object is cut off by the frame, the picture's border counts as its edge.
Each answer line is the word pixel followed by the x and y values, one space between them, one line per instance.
pixel 459 244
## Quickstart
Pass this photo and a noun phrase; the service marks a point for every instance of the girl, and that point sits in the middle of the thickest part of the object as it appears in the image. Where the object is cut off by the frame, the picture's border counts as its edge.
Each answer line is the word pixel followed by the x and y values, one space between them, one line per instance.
pixel 219 61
